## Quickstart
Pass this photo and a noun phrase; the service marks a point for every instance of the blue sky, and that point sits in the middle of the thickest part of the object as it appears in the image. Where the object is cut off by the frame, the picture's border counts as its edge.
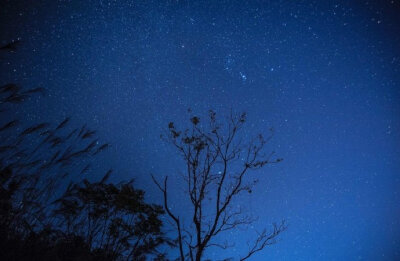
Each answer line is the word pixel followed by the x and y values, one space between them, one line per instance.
pixel 324 74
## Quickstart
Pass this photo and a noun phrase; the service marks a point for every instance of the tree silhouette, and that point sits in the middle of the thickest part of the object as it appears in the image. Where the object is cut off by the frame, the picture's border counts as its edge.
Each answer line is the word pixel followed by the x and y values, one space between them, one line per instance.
pixel 44 218
pixel 217 164
pixel 113 219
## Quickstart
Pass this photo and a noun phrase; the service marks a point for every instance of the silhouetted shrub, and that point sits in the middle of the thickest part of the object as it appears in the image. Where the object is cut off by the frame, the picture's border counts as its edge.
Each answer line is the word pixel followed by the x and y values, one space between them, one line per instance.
pixel 43 218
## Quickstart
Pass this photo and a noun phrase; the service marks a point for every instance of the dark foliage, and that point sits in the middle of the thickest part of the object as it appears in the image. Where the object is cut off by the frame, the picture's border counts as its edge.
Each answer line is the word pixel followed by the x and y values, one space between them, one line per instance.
pixel 43 219
pixel 111 218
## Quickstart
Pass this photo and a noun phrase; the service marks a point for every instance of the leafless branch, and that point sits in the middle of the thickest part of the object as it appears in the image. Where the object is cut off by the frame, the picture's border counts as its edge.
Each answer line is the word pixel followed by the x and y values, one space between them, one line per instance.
pixel 265 239
pixel 217 162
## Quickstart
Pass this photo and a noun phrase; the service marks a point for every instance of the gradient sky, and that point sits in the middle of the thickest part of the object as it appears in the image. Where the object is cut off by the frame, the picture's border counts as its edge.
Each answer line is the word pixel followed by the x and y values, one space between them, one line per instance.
pixel 324 74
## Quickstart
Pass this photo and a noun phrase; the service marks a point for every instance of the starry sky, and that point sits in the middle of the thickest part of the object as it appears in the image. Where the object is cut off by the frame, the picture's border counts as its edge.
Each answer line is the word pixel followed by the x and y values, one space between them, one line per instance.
pixel 324 74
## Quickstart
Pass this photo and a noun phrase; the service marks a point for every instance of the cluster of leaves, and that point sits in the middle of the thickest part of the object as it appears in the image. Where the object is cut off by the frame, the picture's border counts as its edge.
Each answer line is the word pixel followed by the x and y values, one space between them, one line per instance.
pixel 41 218
pixel 112 218
pixel 98 220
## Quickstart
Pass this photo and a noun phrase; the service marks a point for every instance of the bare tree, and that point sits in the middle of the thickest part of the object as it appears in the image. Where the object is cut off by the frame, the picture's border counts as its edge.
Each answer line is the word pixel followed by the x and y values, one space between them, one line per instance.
pixel 217 166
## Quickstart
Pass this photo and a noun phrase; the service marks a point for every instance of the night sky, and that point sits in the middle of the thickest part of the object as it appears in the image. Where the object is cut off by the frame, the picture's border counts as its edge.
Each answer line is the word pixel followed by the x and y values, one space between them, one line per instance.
pixel 324 74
